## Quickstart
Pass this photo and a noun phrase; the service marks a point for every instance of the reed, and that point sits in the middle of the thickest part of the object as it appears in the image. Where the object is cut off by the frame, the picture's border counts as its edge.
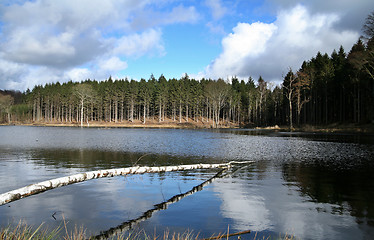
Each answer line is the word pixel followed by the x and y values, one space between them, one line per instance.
pixel 24 232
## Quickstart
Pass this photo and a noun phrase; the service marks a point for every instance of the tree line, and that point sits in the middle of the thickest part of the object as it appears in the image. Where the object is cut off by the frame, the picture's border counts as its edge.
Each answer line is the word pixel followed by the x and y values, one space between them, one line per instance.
pixel 335 88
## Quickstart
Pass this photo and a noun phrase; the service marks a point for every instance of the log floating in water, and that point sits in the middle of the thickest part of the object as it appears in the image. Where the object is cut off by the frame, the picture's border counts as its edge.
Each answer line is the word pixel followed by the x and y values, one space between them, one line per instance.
pixel 63 181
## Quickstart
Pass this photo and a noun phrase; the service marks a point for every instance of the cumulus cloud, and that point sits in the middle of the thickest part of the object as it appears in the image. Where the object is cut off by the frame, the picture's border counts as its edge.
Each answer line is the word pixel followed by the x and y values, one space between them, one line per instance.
pixel 352 13
pixel 113 64
pixel 62 38
pixel 137 45
pixel 268 49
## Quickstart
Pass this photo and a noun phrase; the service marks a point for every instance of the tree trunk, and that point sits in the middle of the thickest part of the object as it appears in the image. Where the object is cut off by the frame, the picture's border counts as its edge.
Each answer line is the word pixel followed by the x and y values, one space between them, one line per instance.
pixel 82 112
pixel 180 111
pixel 63 181
pixel 290 104
pixel 144 113
pixel 132 111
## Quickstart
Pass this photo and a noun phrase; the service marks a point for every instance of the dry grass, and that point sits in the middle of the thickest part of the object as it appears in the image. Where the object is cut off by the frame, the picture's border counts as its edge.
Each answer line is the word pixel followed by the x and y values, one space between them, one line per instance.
pixel 24 232
pixel 150 123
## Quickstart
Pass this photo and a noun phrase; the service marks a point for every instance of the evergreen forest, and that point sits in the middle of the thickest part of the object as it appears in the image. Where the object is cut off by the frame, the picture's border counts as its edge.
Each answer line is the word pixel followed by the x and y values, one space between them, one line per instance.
pixel 329 88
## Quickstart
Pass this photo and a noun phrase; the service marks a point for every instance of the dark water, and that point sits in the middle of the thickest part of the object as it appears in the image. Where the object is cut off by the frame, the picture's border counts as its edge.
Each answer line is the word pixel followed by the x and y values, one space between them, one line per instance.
pixel 313 186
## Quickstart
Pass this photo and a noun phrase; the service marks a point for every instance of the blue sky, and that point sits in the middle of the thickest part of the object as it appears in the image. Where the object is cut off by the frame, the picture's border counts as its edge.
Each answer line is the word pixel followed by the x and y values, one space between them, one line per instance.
pixel 43 41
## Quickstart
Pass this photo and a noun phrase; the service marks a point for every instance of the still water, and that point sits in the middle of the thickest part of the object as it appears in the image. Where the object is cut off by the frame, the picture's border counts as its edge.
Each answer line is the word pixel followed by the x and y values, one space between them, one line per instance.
pixel 313 186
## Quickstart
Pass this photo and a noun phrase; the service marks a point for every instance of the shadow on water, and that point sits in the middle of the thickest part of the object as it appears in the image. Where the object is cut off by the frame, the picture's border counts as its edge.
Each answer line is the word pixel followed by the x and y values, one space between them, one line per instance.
pixel 359 138
pixel 349 189
pixel 95 159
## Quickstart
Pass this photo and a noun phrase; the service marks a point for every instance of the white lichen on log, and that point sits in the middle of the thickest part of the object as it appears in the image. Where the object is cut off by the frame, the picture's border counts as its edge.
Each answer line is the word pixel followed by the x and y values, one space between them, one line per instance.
pixel 63 181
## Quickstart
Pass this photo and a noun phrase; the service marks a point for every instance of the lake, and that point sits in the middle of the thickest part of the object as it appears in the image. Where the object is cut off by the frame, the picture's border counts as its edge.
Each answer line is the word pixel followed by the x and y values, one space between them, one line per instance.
pixel 312 186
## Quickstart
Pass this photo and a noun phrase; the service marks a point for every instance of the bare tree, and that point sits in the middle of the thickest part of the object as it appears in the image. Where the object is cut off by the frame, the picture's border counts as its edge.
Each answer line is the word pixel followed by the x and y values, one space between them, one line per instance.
pixel 217 92
pixel 288 85
pixel 84 93
pixel 302 85
pixel 368 27
pixel 262 89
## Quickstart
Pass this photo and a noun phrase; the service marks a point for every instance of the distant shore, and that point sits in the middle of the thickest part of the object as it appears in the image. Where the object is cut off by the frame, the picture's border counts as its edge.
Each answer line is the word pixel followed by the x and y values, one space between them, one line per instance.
pixel 332 128
pixel 191 124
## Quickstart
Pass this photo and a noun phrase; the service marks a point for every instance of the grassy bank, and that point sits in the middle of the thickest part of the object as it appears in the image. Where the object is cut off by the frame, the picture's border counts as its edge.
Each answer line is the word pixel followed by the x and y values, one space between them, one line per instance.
pixel 25 232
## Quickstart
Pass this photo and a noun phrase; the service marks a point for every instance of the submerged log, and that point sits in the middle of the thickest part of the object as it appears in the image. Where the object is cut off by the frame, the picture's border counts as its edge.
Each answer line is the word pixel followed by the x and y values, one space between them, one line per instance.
pixel 116 231
pixel 63 181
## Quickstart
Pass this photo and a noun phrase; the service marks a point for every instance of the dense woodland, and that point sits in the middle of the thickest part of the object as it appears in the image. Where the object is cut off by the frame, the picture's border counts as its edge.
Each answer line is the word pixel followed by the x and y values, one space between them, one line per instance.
pixel 335 88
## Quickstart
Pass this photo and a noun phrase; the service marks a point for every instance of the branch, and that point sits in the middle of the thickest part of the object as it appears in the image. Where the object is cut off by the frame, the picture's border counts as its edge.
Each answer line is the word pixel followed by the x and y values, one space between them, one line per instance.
pixel 228 235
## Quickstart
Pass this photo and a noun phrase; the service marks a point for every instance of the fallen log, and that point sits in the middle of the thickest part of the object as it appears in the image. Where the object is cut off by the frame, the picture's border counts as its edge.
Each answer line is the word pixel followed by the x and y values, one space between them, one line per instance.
pixel 64 181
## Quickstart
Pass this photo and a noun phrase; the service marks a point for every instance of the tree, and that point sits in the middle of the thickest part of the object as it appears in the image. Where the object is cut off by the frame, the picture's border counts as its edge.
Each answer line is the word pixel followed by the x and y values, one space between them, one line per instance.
pixel 145 93
pixel 368 27
pixel 217 92
pixel 302 86
pixel 356 60
pixel 262 89
pixel 133 92
pixel 84 93
pixel 251 98
pixel 6 103
pixel 161 96
pixel 288 85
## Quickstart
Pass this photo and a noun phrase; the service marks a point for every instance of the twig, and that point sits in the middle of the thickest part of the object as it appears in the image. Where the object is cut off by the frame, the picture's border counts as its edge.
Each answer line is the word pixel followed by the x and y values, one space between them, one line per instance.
pixel 227 235
pixel 54 214
pixel 140 158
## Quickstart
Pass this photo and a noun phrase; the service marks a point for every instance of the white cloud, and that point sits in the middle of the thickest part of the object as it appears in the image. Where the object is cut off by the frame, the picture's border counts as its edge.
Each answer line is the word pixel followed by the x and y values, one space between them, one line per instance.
pixel 217 9
pixel 352 13
pixel 78 74
pixel 149 18
pixel 216 28
pixel 112 64
pixel 246 41
pixel 269 49
pixel 181 14
pixel 137 45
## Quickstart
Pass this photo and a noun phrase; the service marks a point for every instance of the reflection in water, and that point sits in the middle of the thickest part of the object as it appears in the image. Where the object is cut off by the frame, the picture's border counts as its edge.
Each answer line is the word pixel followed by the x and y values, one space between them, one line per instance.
pixel 272 207
pixel 351 190
pixel 315 186
pixel 116 231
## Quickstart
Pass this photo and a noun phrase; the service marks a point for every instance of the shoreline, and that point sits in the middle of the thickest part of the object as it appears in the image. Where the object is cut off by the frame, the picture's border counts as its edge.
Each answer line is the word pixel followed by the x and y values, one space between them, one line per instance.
pixel 136 124
pixel 332 128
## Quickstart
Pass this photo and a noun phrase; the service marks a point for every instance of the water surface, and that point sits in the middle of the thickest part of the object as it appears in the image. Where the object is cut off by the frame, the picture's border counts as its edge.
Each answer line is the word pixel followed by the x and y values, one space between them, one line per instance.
pixel 314 186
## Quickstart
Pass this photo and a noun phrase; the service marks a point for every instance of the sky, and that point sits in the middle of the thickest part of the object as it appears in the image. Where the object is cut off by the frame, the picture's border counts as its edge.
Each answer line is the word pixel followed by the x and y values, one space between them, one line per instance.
pixel 45 41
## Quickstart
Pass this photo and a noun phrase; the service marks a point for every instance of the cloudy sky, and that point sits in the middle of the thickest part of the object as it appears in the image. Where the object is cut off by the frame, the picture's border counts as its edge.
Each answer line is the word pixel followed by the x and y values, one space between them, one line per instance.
pixel 44 41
